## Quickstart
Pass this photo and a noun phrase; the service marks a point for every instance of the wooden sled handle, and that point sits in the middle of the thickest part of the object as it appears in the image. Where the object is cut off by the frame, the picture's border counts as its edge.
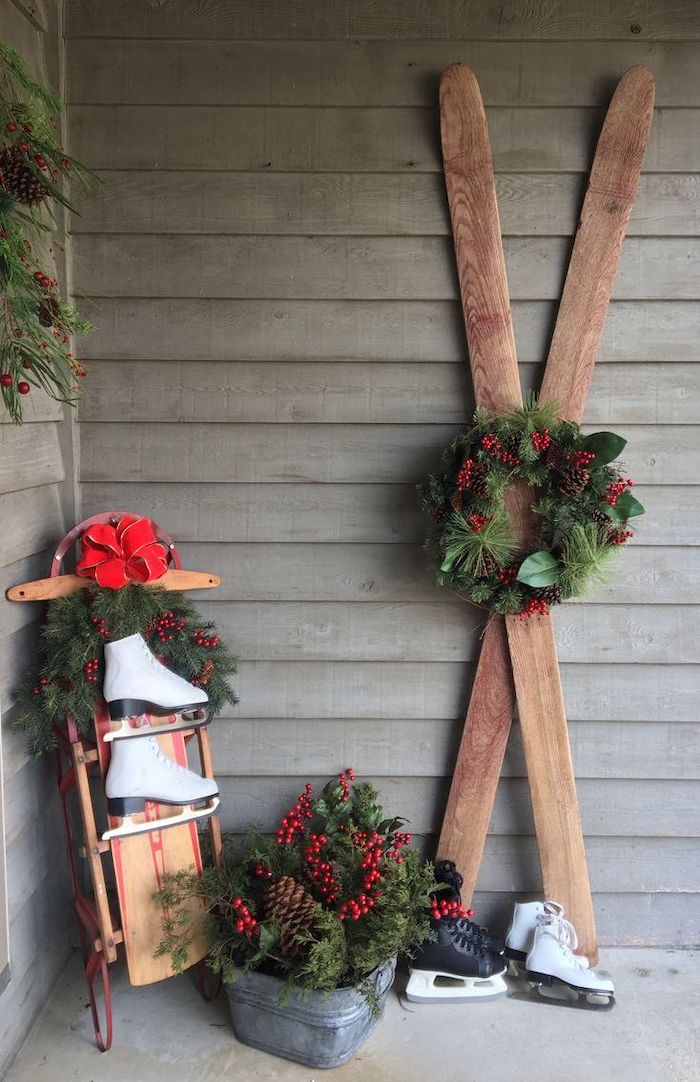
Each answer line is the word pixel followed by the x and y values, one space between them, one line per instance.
pixel 65 585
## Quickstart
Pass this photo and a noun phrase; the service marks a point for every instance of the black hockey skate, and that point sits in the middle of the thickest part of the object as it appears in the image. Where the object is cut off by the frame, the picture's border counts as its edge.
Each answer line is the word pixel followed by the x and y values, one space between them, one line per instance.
pixel 454 967
pixel 446 872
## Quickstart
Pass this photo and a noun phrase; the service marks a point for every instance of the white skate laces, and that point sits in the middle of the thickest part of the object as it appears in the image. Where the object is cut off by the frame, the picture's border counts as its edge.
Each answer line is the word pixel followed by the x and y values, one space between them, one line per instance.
pixel 561 928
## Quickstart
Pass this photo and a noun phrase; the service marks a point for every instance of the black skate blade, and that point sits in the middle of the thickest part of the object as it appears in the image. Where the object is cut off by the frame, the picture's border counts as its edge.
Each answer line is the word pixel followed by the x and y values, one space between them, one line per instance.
pixel 120 709
pixel 554 990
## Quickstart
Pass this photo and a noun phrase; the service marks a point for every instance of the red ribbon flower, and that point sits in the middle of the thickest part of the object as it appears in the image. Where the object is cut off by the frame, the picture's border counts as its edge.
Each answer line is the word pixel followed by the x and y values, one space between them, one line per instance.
pixel 116 555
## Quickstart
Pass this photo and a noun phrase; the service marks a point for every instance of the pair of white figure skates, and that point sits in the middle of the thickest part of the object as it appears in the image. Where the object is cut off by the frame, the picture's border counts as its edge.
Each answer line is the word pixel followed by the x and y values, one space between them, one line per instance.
pixel 463 962
pixel 139 689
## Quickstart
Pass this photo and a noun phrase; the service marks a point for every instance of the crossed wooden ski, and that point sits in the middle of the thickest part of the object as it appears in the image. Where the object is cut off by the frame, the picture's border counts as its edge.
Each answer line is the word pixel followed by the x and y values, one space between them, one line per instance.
pixel 518 658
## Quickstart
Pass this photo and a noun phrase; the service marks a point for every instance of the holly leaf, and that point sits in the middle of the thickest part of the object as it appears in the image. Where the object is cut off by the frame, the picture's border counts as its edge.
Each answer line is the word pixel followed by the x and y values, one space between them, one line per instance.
pixel 628 506
pixel 539 569
pixel 606 446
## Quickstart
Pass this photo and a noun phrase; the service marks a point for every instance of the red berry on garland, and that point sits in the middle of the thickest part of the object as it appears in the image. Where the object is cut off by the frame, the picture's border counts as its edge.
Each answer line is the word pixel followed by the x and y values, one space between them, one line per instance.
pixel 464 477
pixel 477 522
pixel 5 380
pixel 507 575
pixel 541 440
pixel 23 387
pixel 24 147
pixel 11 126
pixel 534 607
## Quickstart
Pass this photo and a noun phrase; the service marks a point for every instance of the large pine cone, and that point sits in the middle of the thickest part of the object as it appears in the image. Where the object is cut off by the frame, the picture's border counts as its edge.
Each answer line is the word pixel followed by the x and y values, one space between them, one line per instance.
pixel 478 486
pixel 573 482
pixel 603 521
pixel 18 180
pixel 292 908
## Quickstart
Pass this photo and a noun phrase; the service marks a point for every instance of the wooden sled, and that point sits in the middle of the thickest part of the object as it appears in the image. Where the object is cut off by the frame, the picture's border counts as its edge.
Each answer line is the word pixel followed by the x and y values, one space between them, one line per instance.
pixel 515 652
pixel 128 915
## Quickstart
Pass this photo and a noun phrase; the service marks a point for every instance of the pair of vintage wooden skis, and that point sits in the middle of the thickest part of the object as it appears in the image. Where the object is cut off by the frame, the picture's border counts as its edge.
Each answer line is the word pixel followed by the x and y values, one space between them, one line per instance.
pixel 518 658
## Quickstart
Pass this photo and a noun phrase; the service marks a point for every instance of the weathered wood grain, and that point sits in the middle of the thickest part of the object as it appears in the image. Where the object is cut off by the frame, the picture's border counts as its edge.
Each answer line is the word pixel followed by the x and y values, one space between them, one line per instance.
pixel 29 456
pixel 601 749
pixel 325 453
pixel 360 392
pixel 30 524
pixel 419 631
pixel 353 140
pixel 313 512
pixel 356 268
pixel 387 690
pixel 235 19
pixel 530 204
pixel 381 73
pixel 401 572
pixel 397 331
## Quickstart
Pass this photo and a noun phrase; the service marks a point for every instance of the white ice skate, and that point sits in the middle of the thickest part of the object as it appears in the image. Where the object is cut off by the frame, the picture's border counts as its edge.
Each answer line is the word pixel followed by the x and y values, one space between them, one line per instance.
pixel 556 972
pixel 139 772
pixel 521 932
pixel 137 684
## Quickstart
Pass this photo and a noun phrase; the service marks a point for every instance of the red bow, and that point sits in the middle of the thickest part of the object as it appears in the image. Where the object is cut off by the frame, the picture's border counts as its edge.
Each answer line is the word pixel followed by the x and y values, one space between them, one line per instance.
pixel 114 556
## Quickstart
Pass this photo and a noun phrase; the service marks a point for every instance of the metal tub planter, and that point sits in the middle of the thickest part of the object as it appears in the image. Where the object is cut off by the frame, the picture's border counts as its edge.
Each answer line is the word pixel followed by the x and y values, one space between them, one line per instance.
pixel 318 1029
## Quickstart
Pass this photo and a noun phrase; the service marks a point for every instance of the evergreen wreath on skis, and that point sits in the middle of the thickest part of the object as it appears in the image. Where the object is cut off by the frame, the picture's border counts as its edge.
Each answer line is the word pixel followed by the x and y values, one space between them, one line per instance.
pixel 582 507
pixel 69 677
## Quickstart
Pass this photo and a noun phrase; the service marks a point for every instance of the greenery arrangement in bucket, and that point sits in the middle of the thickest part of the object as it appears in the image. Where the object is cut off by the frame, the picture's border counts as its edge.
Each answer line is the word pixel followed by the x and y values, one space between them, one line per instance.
pixel 336 894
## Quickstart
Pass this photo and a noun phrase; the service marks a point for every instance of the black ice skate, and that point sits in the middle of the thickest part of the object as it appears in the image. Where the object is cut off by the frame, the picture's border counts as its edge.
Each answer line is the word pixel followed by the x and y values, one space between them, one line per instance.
pixel 455 967
pixel 446 872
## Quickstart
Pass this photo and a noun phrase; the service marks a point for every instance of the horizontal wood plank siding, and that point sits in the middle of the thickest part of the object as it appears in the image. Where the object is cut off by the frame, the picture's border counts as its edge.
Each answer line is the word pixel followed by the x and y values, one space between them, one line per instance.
pixel 278 358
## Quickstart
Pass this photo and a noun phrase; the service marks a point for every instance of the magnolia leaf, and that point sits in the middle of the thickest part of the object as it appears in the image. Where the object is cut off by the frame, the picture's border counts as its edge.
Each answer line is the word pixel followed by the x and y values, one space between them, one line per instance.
pixel 539 569
pixel 606 446
pixel 628 506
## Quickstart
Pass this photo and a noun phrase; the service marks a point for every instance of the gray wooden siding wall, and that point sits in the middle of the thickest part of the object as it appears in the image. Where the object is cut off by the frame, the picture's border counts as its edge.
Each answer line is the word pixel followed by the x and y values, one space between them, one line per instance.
pixel 36 487
pixel 278 357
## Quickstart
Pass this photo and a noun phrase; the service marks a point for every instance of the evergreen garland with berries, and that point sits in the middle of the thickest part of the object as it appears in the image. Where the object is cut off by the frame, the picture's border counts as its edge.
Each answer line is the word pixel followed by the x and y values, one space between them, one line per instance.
pixel 336 893
pixel 35 325
pixel 69 676
pixel 581 506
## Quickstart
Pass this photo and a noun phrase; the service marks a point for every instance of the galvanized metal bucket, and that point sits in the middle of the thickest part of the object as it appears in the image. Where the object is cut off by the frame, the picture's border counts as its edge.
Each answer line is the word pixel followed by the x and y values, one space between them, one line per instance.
pixel 318 1029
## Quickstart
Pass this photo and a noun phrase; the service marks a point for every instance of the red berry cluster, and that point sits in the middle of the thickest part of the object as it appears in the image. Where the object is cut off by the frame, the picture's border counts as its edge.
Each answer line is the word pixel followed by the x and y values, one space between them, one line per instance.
pixel 620 537
pixel 75 366
pixel 580 459
pixel 202 639
pixel 534 607
pixel 506 575
pixel 91 670
pixel 344 781
pixel 262 871
pixel 293 822
pixel 394 852
pixel 319 870
pixel 45 282
pixel 7 381
pixel 477 522
pixel 168 626
pixel 245 921
pixel 372 846
pixel 541 440
pixel 616 488
pixel 464 477
pixel 100 626
pixel 491 443
pixel 43 683
pixel 354 908
pixel 443 909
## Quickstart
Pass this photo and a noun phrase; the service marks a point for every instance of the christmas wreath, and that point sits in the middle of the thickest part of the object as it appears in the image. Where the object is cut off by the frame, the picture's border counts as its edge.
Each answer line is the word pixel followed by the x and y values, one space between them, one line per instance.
pixel 581 506
pixel 69 676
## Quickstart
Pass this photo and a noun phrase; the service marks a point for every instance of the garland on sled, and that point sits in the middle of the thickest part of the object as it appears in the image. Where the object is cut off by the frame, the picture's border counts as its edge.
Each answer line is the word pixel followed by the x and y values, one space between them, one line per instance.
pixel 68 679
pixel 581 506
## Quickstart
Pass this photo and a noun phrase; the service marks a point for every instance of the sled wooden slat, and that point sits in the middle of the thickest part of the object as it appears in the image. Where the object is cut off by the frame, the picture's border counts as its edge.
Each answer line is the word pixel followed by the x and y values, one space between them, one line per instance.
pixel 483 287
pixel 596 254
pixel 65 585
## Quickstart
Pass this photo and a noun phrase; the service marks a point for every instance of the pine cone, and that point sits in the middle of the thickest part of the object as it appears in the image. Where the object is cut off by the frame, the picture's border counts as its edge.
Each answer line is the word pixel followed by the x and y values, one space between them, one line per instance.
pixel 553 457
pixel 551 594
pixel 489 564
pixel 48 311
pixel 478 486
pixel 573 482
pixel 292 908
pixel 18 180
pixel 602 521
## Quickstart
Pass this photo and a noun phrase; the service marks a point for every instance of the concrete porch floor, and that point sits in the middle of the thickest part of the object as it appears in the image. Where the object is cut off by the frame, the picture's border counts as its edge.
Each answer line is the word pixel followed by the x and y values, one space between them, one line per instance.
pixel 166 1033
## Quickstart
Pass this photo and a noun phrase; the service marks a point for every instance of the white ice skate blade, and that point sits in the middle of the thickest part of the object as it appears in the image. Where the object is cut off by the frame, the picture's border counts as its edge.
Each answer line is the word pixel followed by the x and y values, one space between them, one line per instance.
pixel 127 828
pixel 570 995
pixel 424 987
pixel 161 727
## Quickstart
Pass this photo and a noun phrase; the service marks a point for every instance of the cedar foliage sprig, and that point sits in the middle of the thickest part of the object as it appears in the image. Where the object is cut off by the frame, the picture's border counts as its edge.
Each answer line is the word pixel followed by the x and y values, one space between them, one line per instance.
pixel 74 634
pixel 36 326
pixel 345 941
pixel 580 503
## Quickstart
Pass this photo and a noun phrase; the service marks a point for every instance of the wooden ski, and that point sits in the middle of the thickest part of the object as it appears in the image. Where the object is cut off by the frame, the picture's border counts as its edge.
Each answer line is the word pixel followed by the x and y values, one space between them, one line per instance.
pixel 594 261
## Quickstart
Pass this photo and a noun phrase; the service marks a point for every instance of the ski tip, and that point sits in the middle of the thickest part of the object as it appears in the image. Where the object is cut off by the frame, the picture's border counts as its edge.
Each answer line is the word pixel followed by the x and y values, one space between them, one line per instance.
pixel 638 82
pixel 462 116
pixel 458 79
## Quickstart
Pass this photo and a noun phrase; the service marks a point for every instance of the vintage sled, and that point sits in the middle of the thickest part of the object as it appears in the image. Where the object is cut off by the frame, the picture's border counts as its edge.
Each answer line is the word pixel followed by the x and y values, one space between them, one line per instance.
pixel 162 840
pixel 513 650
